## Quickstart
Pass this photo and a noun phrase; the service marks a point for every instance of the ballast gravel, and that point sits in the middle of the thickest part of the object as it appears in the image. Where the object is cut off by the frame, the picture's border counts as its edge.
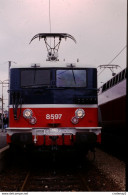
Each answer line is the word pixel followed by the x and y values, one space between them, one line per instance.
pixel 112 167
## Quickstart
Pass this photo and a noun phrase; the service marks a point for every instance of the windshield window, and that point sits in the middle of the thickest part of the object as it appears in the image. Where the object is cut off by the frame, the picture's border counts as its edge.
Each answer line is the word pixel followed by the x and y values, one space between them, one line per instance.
pixel 71 78
pixel 35 78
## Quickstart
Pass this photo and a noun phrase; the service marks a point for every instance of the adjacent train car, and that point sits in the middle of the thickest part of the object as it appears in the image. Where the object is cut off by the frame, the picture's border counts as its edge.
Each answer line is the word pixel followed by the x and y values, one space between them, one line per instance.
pixel 112 106
pixel 54 104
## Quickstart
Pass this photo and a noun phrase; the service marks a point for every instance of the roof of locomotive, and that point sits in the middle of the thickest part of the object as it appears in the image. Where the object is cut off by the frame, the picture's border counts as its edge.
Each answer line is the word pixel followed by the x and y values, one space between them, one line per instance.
pixel 53 64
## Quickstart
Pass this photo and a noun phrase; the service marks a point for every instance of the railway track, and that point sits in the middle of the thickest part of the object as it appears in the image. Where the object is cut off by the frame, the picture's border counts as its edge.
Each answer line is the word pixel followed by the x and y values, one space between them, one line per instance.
pixel 39 172
pixel 42 175
pixel 47 181
pixel 64 182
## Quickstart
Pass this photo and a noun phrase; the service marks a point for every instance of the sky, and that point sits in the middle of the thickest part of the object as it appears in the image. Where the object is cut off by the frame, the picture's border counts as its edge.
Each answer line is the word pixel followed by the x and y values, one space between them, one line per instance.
pixel 99 27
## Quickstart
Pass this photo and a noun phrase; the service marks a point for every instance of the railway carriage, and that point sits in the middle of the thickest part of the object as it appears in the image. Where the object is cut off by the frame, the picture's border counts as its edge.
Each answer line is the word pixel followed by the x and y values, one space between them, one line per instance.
pixel 112 105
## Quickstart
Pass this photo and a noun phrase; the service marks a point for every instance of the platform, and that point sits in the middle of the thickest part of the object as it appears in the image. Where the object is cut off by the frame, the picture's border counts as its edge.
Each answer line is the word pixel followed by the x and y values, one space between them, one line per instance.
pixel 3 142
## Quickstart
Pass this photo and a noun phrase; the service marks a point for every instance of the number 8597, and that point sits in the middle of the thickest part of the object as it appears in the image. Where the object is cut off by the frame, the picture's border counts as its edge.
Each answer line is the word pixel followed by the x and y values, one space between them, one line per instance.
pixel 53 116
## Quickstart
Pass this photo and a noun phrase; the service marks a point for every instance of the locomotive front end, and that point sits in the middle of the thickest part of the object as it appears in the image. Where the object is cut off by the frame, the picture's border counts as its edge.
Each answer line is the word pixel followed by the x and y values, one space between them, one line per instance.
pixel 53 106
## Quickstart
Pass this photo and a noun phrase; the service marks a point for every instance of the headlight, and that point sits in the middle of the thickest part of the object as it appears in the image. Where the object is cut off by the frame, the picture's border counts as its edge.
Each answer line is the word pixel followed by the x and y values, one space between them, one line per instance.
pixel 75 120
pixel 32 120
pixel 27 113
pixel 79 113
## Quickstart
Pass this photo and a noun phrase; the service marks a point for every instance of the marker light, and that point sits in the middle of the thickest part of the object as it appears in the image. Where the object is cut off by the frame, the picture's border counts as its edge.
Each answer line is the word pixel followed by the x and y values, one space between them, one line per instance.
pixel 79 113
pixel 27 113
pixel 74 120
pixel 32 120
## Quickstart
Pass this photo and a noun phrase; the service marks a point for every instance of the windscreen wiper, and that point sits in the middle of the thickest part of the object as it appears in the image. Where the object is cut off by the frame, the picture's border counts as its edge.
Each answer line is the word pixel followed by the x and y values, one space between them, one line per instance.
pixel 66 71
pixel 74 76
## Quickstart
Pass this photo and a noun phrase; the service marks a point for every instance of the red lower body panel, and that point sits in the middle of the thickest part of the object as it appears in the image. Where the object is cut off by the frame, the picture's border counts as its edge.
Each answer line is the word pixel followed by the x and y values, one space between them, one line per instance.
pixel 60 116
pixel 50 119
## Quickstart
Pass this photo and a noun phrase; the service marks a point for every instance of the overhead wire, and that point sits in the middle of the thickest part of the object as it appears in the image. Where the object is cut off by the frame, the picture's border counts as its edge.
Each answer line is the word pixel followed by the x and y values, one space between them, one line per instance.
pixel 101 71
pixel 114 58
pixel 50 15
pixel 50 26
pixel 117 54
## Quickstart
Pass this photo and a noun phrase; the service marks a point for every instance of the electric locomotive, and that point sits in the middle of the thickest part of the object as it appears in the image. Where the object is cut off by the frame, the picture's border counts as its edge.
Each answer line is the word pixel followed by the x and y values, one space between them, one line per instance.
pixel 54 104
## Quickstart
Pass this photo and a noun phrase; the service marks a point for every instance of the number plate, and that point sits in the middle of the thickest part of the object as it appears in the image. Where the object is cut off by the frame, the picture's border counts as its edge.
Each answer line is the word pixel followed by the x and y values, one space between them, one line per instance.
pixel 53 116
